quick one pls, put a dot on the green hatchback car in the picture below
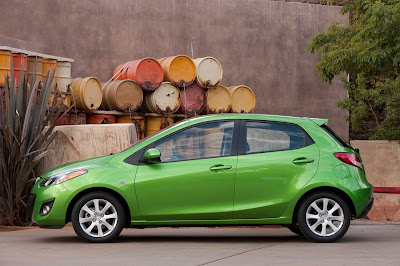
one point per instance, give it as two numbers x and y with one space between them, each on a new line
215 170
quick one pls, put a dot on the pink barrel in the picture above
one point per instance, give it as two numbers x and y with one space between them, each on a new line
193 99
147 72
120 71
20 62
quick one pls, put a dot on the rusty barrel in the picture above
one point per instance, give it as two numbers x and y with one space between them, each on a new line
120 72
208 71
72 118
179 70
156 123
86 93
48 65
218 100
138 120
101 119
5 66
20 62
164 100
147 72
63 73
243 99
193 99
35 64
121 95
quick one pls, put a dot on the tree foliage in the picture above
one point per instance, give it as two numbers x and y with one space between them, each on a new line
365 55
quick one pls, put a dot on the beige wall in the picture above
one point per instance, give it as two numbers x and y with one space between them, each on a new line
260 43
381 160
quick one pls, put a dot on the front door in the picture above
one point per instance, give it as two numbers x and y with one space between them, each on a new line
196 176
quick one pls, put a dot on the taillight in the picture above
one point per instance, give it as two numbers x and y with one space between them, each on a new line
349 158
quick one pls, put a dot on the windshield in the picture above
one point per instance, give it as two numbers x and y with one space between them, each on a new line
336 137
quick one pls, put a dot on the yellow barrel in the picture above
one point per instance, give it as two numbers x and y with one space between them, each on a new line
218 100
243 99
63 73
164 100
5 66
35 64
122 95
86 93
138 120
179 70
156 123
47 66
208 71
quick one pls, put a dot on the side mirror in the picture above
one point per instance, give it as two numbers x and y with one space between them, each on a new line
152 155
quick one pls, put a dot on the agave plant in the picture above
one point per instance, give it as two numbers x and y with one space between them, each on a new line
26 130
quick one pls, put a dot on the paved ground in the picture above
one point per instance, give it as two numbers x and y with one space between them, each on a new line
365 243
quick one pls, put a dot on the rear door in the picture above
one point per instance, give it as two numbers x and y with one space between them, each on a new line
275 161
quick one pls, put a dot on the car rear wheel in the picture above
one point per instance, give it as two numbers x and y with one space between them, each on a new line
324 217
98 217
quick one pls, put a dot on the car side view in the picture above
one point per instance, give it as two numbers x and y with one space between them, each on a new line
214 170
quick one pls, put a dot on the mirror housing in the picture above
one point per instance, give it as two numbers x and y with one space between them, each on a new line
152 155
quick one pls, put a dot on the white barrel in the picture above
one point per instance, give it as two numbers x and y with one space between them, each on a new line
208 71
165 99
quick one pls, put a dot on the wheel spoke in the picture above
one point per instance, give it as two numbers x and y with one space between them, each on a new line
323 231
314 226
325 204
336 218
99 230
96 205
108 205
109 226
90 228
87 209
110 216
312 216
85 219
315 207
334 228
334 208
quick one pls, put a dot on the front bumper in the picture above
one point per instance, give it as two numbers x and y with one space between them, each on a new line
367 208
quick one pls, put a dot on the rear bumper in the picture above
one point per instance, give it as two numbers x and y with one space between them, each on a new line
367 208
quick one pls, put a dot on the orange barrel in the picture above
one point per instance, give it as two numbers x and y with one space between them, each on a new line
86 93
243 99
138 120
156 123
164 100
179 70
121 95
47 66
20 62
34 65
147 72
100 119
5 66
63 73
72 118
193 99
218 100
120 71
208 72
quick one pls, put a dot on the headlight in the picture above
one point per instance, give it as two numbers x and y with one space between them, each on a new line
62 177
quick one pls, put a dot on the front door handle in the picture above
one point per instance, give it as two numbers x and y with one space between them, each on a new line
302 160
218 167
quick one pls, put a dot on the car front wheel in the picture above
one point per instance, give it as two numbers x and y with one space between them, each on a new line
98 217
324 217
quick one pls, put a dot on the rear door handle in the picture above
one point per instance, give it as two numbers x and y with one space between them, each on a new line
218 167
302 160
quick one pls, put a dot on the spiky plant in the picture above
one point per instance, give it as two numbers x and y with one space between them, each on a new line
24 141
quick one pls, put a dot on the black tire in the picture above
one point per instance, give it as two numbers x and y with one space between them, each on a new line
103 229
295 229
336 223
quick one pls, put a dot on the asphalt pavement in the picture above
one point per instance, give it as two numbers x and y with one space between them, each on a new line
368 243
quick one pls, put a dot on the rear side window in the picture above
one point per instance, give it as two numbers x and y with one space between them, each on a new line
335 136
267 137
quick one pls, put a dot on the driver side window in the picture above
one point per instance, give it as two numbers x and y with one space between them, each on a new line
197 142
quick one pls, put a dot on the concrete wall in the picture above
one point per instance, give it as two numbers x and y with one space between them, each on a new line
74 143
260 43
